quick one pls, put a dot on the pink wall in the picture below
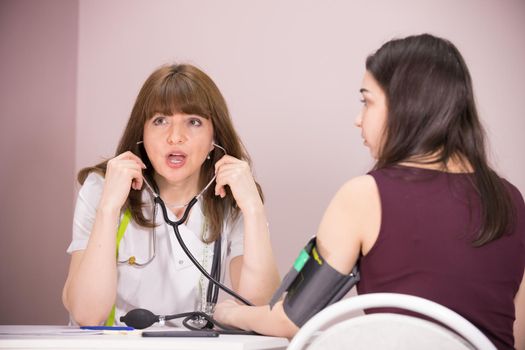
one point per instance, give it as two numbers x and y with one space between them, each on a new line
290 71
38 46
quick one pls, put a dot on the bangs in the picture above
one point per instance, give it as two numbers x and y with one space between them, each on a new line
176 93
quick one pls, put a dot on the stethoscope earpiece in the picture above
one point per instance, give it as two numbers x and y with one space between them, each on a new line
219 147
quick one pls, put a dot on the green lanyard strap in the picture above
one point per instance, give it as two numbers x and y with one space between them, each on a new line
120 233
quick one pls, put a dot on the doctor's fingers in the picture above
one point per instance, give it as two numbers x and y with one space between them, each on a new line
220 166
117 184
233 168
240 181
230 160
125 171
116 166
231 174
129 156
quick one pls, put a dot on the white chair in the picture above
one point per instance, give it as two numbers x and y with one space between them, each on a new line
386 330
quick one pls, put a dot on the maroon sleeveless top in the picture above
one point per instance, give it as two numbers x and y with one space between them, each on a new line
428 221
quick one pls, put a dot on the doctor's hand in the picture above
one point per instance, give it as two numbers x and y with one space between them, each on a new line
238 176
123 172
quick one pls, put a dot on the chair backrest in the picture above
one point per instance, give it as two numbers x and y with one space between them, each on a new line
341 336
388 331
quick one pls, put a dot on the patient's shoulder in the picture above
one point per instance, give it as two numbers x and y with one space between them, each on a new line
360 188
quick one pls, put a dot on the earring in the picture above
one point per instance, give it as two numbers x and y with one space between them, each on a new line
208 157
139 142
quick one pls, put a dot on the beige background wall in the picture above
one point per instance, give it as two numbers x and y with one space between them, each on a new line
290 71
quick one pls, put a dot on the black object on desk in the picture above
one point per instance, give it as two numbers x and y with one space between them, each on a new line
179 334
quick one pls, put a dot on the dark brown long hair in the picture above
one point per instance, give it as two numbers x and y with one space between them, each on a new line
431 110
182 88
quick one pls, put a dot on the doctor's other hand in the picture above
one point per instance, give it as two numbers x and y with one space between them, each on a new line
238 176
122 173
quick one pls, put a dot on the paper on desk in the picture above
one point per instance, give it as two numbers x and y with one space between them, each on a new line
46 330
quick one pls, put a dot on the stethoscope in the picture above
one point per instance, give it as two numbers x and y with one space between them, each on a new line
196 320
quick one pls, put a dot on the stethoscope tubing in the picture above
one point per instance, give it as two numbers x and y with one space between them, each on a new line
175 225
213 287
212 294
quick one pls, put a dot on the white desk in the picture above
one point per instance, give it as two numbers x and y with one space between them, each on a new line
63 337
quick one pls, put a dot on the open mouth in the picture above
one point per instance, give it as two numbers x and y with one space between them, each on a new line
176 158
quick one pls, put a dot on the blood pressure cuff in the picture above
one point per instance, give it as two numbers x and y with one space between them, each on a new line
312 284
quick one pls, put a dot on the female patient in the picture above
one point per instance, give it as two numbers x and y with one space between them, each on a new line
432 219
176 137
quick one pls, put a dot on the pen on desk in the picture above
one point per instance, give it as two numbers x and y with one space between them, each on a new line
108 328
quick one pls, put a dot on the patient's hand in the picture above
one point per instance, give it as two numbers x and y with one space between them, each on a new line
227 312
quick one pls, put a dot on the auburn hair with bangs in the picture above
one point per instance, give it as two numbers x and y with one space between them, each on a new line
181 88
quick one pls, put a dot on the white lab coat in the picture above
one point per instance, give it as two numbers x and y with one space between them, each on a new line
170 283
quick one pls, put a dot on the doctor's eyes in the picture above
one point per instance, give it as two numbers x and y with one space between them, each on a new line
195 122
161 120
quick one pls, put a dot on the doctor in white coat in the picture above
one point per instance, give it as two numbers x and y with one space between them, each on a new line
123 255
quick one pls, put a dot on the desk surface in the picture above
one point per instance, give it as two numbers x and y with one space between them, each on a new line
64 337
